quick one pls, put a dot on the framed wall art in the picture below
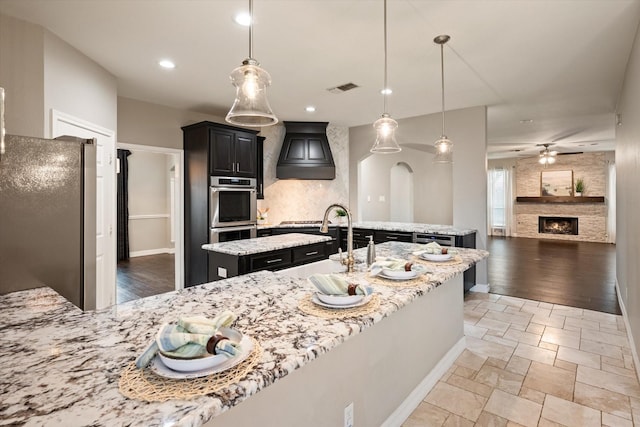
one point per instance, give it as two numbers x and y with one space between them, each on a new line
556 183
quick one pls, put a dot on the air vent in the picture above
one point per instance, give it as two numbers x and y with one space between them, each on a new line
343 88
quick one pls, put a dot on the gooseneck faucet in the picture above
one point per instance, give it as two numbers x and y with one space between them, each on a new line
349 262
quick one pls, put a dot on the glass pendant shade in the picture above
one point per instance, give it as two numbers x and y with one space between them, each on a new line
386 142
251 106
444 150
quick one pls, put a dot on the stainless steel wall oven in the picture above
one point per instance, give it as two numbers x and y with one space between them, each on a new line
232 208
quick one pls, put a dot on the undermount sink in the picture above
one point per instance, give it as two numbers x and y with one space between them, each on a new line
325 266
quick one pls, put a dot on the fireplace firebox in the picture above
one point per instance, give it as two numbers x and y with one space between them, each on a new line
558 225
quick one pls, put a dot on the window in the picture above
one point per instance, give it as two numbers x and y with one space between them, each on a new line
498 197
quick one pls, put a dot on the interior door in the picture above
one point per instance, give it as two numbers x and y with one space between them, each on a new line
63 124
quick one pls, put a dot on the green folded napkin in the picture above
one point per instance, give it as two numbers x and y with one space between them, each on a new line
189 338
332 284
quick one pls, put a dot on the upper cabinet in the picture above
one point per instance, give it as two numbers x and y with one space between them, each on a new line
232 152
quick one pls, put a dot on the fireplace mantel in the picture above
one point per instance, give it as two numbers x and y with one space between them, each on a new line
561 199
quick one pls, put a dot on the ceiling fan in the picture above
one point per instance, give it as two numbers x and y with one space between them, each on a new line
547 157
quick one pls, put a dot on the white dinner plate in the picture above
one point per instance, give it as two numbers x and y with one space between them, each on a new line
436 257
339 299
398 274
159 368
200 363
363 301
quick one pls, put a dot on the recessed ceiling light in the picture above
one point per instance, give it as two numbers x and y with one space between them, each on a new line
167 63
310 109
386 91
243 19
526 121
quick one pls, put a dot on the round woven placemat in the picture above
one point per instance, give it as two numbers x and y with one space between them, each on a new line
307 306
142 384
455 260
419 280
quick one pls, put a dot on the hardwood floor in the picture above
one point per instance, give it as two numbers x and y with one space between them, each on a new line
577 274
145 276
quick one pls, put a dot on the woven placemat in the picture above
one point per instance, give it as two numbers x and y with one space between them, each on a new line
307 306
419 280
143 384
455 260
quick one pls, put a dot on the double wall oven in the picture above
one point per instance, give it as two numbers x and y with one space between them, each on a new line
232 209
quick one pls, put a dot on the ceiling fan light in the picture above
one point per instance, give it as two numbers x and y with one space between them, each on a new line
251 106
551 160
386 142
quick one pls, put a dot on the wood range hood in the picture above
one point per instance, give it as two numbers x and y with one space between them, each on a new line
305 152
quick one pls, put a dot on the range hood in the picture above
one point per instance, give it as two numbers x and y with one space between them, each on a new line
305 152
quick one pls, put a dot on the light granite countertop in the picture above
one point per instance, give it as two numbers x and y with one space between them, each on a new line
265 244
60 366
408 227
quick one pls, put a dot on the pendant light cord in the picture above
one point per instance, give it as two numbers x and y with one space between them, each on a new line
384 98
250 29
442 74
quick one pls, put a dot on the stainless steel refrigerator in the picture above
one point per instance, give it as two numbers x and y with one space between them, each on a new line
48 217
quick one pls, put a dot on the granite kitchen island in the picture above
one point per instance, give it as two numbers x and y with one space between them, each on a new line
61 366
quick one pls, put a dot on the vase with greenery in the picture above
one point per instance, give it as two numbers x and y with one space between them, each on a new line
341 216
579 187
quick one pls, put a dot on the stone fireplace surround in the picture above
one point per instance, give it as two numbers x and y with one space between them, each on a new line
592 217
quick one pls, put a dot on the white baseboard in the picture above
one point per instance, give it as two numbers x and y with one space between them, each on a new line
632 344
485 289
418 394
152 252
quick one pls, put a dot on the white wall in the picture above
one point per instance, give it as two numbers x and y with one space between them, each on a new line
627 194
149 202
22 76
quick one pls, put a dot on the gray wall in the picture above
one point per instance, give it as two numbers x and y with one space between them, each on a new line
144 123
627 194
39 71
467 178
22 76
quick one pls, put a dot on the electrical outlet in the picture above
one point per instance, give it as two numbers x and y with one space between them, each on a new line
382 198
222 272
348 415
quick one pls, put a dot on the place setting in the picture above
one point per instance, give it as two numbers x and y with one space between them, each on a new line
396 272
434 254
193 357
336 296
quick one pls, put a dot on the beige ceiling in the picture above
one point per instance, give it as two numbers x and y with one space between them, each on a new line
560 63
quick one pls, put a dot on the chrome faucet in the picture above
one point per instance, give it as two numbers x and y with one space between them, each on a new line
349 262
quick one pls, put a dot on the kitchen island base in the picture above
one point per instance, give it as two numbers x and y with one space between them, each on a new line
386 370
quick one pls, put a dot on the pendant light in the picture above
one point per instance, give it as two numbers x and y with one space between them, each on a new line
444 147
251 107
385 126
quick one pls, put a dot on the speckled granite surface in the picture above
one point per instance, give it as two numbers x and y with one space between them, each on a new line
395 226
265 244
60 366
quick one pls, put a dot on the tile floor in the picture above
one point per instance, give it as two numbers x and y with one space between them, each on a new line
530 363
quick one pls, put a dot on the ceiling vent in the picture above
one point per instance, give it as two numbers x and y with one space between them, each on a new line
343 88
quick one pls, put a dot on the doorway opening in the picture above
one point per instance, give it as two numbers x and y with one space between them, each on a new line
149 221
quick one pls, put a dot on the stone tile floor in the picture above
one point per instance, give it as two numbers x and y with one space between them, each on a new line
530 363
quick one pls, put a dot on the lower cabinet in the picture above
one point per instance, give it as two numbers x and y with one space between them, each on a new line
222 266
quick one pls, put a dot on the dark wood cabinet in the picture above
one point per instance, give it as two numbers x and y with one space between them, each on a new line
260 167
209 149
380 236
331 246
232 152
222 266
360 237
